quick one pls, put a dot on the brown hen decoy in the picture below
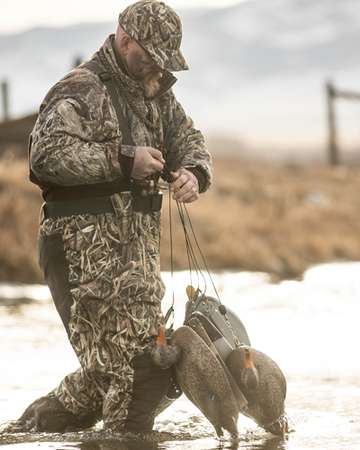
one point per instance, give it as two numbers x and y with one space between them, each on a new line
204 381
264 386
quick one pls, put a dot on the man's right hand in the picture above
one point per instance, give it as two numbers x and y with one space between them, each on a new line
147 161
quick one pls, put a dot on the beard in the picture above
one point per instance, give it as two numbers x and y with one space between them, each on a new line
151 84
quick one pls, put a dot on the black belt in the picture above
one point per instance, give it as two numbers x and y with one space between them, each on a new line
56 193
100 205
96 205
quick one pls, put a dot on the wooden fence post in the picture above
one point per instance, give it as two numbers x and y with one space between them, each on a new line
333 153
5 100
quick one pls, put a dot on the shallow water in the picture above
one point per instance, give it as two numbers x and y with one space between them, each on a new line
310 328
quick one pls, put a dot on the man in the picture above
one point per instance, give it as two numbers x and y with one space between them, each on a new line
104 134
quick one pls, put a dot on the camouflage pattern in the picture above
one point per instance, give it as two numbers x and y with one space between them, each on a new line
113 258
76 139
114 274
157 28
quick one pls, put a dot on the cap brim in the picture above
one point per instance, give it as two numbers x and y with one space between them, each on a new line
174 63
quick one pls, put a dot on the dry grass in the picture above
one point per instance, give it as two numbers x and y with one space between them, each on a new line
259 217
277 219
19 211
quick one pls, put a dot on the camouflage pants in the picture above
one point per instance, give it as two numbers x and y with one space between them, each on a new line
104 275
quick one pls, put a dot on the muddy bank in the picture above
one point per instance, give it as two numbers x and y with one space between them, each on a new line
258 217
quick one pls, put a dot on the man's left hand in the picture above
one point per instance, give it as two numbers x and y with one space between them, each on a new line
185 186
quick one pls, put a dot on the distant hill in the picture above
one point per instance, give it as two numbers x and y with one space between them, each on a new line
257 69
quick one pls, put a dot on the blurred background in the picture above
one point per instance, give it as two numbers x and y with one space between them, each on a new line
274 87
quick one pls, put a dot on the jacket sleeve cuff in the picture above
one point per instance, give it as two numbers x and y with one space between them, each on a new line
126 160
128 150
201 176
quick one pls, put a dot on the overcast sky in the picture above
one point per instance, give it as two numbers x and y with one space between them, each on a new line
18 15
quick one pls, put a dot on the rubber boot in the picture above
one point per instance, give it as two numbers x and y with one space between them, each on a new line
47 414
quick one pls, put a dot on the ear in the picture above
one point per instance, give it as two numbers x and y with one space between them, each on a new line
122 41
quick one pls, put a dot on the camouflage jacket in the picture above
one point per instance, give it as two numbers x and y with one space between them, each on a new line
77 138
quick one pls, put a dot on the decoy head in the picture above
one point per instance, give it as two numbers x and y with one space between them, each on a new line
161 339
192 295
191 292
249 374
280 427
164 355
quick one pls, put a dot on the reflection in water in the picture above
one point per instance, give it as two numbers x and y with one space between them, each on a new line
266 444
116 445
270 444
273 443
111 445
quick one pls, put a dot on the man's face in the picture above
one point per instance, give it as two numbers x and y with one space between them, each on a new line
142 67
139 62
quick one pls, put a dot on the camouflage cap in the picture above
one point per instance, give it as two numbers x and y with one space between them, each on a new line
157 28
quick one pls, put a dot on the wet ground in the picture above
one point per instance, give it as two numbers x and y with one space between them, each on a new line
310 328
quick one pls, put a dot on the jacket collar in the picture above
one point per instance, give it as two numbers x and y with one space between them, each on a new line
134 87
